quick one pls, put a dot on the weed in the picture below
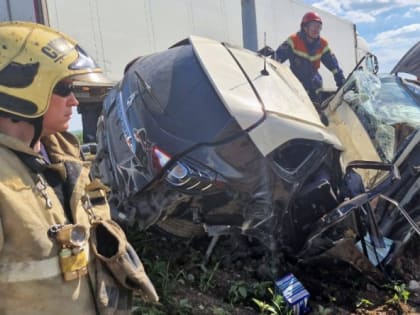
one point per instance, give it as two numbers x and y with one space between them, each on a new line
238 292
260 289
401 294
277 305
364 303
206 278
161 277
241 291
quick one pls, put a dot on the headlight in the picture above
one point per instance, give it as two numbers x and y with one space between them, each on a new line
188 175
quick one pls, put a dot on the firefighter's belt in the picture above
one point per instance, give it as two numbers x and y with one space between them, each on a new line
30 270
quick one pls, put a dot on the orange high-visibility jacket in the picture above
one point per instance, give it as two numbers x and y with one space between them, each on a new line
305 59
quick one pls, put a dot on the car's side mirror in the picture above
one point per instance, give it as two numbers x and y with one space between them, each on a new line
371 63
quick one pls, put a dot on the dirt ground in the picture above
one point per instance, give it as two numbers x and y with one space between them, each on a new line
239 274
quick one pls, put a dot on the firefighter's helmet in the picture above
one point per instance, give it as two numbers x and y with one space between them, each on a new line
33 59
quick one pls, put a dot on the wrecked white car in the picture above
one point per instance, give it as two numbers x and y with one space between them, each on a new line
210 138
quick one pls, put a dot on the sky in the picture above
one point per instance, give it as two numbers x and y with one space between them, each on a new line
391 28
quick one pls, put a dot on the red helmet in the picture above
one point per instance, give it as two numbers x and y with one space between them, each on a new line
310 17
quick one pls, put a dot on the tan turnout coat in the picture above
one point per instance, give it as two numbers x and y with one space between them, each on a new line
30 276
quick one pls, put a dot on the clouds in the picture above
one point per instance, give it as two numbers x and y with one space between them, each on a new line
391 27
389 37
391 45
367 11
412 13
359 17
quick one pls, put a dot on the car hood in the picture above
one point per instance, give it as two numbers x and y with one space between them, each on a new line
410 62
263 96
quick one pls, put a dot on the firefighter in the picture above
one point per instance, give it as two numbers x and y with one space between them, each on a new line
305 51
48 204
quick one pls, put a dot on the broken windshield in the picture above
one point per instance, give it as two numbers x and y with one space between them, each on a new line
387 110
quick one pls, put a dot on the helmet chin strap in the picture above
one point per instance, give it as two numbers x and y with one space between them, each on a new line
37 123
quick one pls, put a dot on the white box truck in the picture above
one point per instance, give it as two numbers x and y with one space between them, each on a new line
115 32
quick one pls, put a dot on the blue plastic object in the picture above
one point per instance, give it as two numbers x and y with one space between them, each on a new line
294 293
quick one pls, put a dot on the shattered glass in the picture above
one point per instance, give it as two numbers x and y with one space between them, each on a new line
386 109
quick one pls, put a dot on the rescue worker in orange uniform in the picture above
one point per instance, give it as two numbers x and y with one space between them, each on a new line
47 200
305 51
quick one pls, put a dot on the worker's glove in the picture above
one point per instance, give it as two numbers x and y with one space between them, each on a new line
316 82
110 245
266 51
339 79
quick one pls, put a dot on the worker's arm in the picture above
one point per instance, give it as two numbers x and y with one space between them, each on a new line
330 61
284 51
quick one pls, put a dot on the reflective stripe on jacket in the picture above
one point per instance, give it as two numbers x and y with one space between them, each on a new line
305 59
30 277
